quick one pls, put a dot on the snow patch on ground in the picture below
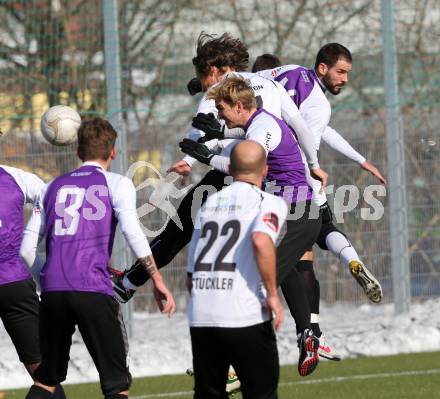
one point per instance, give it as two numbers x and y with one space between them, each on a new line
162 346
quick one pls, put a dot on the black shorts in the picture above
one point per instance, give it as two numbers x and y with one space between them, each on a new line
19 306
327 226
298 236
101 326
252 351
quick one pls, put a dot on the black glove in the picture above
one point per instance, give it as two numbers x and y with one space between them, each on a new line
194 86
209 124
196 150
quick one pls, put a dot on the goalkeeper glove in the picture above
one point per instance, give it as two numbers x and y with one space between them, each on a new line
196 150
209 124
194 86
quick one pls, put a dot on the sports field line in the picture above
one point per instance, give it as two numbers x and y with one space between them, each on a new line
307 382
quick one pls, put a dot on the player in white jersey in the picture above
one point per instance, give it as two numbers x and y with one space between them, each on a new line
78 215
19 303
218 57
307 88
232 282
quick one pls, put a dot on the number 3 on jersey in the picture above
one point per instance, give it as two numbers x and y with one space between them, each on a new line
213 228
69 214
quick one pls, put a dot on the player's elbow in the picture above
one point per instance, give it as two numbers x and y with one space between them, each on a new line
261 241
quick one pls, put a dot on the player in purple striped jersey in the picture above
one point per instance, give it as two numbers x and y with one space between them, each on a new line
78 217
19 303
307 89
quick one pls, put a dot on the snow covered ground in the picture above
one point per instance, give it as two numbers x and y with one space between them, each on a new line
162 346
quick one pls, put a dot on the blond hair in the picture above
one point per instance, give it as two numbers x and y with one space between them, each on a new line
234 89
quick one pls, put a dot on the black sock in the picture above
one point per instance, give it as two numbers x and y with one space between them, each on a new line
37 392
316 330
294 292
305 268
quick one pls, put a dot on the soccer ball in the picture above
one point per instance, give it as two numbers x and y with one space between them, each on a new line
60 124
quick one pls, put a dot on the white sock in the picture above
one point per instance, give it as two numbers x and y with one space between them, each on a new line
338 244
127 284
314 318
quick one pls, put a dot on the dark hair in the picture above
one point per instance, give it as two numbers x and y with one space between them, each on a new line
96 139
266 61
220 51
330 54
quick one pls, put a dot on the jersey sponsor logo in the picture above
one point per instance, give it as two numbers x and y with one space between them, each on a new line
271 220
257 87
305 76
79 174
267 142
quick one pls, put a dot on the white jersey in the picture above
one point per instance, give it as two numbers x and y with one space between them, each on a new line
271 96
227 287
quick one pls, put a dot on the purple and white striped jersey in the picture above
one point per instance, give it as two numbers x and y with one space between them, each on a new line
79 214
307 92
17 188
286 176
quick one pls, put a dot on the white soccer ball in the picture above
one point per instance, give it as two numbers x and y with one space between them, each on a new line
60 124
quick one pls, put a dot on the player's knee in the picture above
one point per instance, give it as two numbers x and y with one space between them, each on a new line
37 392
308 255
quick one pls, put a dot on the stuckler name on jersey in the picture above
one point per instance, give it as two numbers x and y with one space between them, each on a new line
212 283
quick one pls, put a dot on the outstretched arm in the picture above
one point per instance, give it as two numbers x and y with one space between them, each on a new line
334 140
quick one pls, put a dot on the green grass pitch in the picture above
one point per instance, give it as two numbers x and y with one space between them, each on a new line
409 376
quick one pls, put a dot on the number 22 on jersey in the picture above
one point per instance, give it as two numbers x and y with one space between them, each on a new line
231 228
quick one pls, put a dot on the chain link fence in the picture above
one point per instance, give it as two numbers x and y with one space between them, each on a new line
52 52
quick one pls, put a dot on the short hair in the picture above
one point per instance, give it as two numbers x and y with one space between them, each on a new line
247 157
331 53
96 139
266 61
220 51
233 89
